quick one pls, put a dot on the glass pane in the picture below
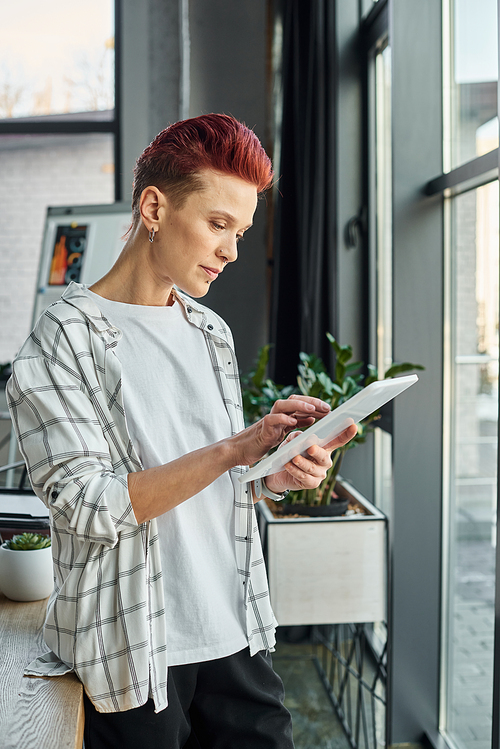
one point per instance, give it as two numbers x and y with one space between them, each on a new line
474 121
381 292
56 57
474 368
38 171
366 6
383 440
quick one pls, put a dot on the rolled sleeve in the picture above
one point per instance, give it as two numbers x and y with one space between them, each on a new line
94 505
62 440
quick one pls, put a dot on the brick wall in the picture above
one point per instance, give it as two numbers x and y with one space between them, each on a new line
36 172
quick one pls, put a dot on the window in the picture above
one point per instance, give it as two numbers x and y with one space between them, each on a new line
380 253
473 372
473 62
471 380
382 235
57 57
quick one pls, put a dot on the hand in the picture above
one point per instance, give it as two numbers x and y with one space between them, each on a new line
308 473
253 443
304 408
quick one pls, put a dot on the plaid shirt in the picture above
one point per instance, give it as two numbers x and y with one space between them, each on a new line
106 619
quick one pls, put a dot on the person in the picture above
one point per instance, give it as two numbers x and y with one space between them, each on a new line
126 403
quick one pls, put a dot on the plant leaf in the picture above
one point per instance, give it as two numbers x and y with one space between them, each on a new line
355 365
28 542
400 368
260 369
326 382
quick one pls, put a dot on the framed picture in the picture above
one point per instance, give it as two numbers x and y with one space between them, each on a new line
67 254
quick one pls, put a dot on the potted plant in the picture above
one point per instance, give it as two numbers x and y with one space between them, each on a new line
260 393
26 567
325 549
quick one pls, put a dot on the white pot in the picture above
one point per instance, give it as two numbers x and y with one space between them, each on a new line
327 570
26 575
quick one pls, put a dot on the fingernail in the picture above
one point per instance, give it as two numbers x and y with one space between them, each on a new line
325 406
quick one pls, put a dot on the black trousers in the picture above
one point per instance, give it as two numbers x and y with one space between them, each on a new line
222 704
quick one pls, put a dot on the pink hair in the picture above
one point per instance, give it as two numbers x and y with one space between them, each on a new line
173 160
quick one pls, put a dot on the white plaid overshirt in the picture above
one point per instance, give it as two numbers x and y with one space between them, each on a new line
106 619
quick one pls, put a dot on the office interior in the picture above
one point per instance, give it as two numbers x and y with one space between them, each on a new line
382 227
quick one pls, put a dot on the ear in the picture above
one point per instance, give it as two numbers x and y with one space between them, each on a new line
151 204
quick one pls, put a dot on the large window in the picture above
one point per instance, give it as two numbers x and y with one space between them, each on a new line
457 338
473 380
56 57
471 366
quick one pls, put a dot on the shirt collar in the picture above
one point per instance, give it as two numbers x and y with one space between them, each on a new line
197 314
76 295
202 316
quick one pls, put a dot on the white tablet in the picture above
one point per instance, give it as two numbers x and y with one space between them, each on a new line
326 429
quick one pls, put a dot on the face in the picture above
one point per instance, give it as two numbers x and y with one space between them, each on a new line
194 244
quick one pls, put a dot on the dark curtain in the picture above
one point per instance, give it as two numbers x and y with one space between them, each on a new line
302 308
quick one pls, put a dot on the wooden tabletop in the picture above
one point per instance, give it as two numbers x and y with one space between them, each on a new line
46 713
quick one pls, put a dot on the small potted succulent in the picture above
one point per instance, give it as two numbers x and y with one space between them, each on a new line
26 567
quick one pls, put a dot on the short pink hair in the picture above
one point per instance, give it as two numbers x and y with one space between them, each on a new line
173 160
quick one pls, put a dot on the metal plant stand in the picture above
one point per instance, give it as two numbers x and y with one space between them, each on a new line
354 673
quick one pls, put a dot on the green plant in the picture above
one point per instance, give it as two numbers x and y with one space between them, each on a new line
27 542
259 392
313 379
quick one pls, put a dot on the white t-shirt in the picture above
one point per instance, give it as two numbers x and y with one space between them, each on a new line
173 405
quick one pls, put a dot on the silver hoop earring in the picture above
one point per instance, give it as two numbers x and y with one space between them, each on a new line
151 235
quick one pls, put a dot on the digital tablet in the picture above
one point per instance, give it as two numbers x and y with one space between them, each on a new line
326 429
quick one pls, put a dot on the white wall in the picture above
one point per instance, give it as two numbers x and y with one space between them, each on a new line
37 172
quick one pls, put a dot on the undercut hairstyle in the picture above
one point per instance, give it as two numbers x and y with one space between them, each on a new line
173 161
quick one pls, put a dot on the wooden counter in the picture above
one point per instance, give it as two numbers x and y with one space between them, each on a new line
41 713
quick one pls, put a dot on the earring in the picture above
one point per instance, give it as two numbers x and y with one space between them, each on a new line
151 235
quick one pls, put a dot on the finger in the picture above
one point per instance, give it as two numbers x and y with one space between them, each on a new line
304 421
318 404
343 438
289 406
307 474
320 455
312 467
278 419
302 404
291 436
275 427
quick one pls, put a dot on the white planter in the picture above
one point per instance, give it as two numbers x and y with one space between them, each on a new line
26 575
326 570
